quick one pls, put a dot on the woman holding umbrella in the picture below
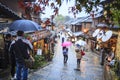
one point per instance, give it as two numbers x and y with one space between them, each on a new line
65 50
79 54
65 54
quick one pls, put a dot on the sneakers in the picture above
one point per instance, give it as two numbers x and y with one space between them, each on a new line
13 78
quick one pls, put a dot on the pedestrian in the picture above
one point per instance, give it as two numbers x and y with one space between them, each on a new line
63 39
110 55
65 54
5 57
79 57
21 49
6 49
102 55
12 57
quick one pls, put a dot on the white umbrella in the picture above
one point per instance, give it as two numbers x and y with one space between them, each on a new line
81 43
102 25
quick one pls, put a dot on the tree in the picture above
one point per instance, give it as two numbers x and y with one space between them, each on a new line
111 8
36 8
59 20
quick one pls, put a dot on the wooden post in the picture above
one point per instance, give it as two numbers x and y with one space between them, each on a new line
118 46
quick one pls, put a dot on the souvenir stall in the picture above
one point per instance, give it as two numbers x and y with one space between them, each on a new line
41 42
37 39
107 40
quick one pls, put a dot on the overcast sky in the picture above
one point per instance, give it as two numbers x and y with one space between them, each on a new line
63 10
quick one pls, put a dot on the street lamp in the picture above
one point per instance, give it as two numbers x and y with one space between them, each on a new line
85 30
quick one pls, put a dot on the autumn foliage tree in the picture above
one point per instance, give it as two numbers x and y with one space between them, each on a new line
36 8
111 8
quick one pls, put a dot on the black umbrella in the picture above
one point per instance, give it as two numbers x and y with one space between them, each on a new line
24 25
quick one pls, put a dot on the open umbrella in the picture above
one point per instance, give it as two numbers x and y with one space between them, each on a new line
24 25
68 43
81 43
102 25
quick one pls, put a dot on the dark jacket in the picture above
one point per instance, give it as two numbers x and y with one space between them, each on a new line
6 51
21 50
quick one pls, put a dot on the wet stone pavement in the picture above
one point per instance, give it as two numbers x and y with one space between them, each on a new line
90 69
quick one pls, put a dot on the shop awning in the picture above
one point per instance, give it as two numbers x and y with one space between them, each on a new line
6 12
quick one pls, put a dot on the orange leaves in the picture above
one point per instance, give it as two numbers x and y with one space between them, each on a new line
36 8
21 4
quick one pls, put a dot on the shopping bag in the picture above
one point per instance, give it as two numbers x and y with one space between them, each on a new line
29 62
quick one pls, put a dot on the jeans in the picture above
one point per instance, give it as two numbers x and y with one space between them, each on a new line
13 65
21 72
65 58
78 63
13 69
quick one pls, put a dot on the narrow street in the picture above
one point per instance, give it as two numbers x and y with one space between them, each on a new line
57 70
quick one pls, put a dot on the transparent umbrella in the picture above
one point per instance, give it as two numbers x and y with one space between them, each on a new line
102 25
81 43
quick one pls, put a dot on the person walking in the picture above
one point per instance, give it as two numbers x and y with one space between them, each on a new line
5 58
21 49
12 57
63 39
6 49
79 57
65 54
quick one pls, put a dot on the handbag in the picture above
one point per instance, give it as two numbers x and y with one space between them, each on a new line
29 62
82 53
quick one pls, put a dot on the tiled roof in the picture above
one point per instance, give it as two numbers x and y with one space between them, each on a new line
82 19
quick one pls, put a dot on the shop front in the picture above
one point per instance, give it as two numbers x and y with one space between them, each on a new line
42 43
106 45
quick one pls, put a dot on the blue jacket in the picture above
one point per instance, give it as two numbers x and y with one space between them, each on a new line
65 51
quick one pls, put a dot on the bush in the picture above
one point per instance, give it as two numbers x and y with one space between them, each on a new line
39 61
